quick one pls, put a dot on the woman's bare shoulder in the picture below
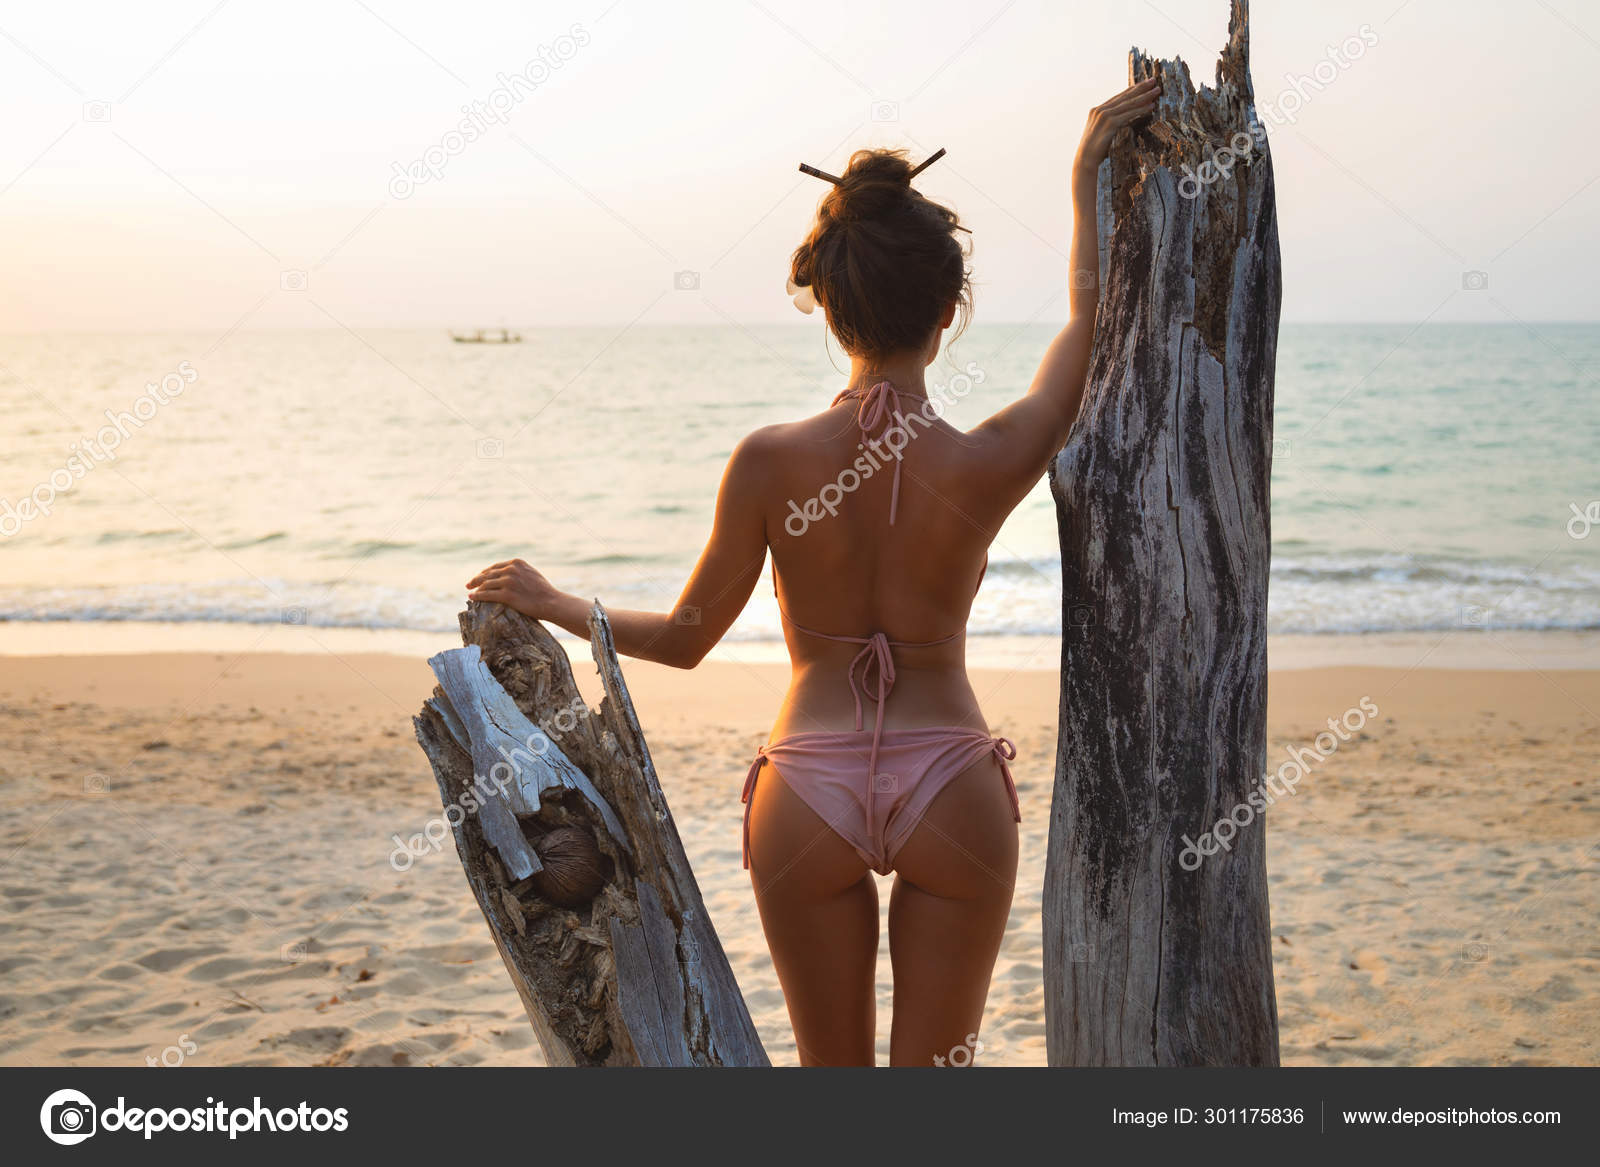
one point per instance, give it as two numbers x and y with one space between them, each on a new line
796 433
770 447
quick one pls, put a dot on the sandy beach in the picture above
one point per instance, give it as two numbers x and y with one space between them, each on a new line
195 863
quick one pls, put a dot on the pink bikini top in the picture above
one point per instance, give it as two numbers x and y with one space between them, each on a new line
875 661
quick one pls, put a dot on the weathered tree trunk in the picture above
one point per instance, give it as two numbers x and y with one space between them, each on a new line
569 847
1156 955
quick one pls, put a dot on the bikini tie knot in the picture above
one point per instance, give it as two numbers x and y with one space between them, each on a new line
875 657
1005 750
879 406
750 778
745 795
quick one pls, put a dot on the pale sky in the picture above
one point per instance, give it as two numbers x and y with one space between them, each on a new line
164 164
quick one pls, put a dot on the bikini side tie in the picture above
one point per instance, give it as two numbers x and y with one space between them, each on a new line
744 797
1005 750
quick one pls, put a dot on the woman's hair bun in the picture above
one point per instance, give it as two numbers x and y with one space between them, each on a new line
883 260
876 183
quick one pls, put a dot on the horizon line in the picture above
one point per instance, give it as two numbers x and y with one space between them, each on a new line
787 324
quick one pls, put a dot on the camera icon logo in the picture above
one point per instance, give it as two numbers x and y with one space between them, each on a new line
68 1117
490 448
1280 448
1083 278
296 616
688 615
1475 952
96 784
1473 616
885 783
686 281
295 953
97 111
886 111
1474 281
293 280
1081 615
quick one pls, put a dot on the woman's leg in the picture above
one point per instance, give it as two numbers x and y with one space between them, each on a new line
819 909
947 914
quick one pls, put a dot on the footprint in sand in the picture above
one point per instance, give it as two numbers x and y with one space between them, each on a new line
323 1039
167 959
223 967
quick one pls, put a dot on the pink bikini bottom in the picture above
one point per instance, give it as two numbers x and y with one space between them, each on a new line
829 771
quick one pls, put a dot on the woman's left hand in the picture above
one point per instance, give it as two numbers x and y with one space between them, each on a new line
1106 121
517 586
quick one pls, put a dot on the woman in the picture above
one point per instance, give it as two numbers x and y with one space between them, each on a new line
878 515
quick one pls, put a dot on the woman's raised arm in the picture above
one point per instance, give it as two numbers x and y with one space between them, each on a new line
717 591
1028 432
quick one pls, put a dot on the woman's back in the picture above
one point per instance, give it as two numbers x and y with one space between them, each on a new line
856 553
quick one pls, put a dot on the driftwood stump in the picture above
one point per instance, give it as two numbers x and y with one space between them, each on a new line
1162 501
568 845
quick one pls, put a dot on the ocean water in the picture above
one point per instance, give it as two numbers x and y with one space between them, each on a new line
1425 478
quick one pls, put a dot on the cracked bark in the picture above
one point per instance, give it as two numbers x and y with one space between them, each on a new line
627 969
1162 504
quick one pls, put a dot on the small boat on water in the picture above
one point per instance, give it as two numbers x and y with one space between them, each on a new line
489 337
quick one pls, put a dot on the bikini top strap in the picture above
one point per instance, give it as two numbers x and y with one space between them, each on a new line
879 406
867 639
799 627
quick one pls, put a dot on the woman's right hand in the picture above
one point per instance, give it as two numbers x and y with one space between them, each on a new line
1106 120
515 584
